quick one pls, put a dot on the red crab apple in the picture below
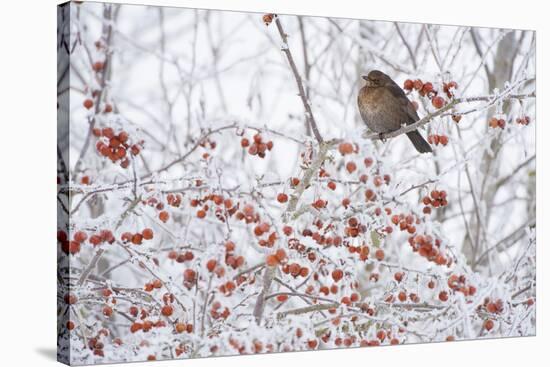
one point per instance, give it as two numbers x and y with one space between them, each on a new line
282 198
438 102
147 233
337 274
88 103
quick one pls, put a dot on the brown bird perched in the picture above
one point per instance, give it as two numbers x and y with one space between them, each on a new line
384 107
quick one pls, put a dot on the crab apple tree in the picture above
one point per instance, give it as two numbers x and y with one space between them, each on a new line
204 220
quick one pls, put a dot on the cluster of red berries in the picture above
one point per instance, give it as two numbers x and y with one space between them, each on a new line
525 120
348 300
138 237
261 228
258 147
492 306
279 257
152 285
424 89
88 103
73 246
180 257
182 327
296 245
449 88
388 211
402 297
248 214
271 239
116 146
207 144
211 265
159 206
296 270
437 199
374 343
146 325
354 228
347 342
362 251
217 313
224 207
458 284
136 312
427 90
230 258
494 123
405 222
326 290
316 236
380 180
227 288
102 236
428 248
438 139
95 343
174 200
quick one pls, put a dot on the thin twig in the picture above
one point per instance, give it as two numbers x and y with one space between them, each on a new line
407 46
90 266
309 113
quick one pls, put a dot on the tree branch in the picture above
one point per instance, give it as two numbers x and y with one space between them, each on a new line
492 99
90 266
309 113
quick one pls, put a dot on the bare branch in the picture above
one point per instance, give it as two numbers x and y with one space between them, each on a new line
309 113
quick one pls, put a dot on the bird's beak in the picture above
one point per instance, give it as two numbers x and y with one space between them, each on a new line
365 77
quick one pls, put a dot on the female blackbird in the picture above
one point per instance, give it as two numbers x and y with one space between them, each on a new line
384 107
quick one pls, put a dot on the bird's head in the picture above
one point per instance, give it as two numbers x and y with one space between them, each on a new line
375 79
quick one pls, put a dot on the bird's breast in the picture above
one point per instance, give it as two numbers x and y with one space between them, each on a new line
371 109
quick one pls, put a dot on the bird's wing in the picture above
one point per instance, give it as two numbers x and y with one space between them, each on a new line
407 105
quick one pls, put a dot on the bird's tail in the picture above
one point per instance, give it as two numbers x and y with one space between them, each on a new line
419 143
